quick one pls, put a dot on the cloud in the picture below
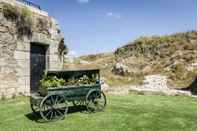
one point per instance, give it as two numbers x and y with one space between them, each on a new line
114 15
72 53
83 1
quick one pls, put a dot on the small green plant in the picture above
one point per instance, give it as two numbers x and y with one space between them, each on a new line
14 96
3 97
48 82
51 81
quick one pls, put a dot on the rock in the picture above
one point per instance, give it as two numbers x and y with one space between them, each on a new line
104 86
84 62
120 69
147 69
118 91
191 67
155 82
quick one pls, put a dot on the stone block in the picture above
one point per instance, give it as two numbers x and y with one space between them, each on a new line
23 46
21 55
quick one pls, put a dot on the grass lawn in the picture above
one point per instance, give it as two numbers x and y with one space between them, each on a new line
123 113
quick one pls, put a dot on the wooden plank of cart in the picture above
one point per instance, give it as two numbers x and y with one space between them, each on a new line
54 104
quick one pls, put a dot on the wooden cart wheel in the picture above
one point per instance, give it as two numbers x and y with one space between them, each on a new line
79 103
95 101
53 107
35 109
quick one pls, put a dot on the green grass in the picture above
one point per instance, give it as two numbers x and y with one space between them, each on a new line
123 113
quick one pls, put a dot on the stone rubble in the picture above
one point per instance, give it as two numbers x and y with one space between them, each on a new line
153 84
120 69
191 67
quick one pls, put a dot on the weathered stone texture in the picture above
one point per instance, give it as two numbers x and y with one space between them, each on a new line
15 53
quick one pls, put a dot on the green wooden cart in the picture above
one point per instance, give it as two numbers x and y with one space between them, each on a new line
54 105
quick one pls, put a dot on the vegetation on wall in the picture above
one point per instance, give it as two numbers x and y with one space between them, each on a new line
10 12
43 25
22 17
25 23
62 49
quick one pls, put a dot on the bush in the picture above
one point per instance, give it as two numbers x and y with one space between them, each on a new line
25 23
10 12
22 17
51 82
48 82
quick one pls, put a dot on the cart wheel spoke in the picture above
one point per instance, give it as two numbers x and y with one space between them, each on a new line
47 114
55 114
53 107
59 112
95 101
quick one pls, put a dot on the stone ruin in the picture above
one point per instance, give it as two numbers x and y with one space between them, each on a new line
15 52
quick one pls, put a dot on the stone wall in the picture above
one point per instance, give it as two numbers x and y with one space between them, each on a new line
15 52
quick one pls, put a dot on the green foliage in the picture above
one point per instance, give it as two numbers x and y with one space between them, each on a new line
3 97
25 23
14 96
51 81
179 71
54 82
10 12
22 17
83 80
188 47
180 77
62 48
153 45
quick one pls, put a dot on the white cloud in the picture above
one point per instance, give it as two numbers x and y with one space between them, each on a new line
83 1
72 53
114 15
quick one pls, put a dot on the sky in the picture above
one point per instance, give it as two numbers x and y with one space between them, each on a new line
96 26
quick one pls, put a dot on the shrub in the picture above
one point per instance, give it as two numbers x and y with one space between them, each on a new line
188 46
50 81
62 49
3 97
25 23
22 17
10 12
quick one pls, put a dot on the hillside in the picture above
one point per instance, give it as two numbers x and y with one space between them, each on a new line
174 56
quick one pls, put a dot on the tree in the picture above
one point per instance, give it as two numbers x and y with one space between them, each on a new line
62 50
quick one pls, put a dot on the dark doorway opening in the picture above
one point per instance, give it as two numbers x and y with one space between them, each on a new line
38 63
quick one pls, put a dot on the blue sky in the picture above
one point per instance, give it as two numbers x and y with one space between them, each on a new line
94 26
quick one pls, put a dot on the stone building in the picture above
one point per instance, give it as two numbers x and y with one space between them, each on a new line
29 42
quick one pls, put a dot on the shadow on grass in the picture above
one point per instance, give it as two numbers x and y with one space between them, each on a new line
72 109
192 87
